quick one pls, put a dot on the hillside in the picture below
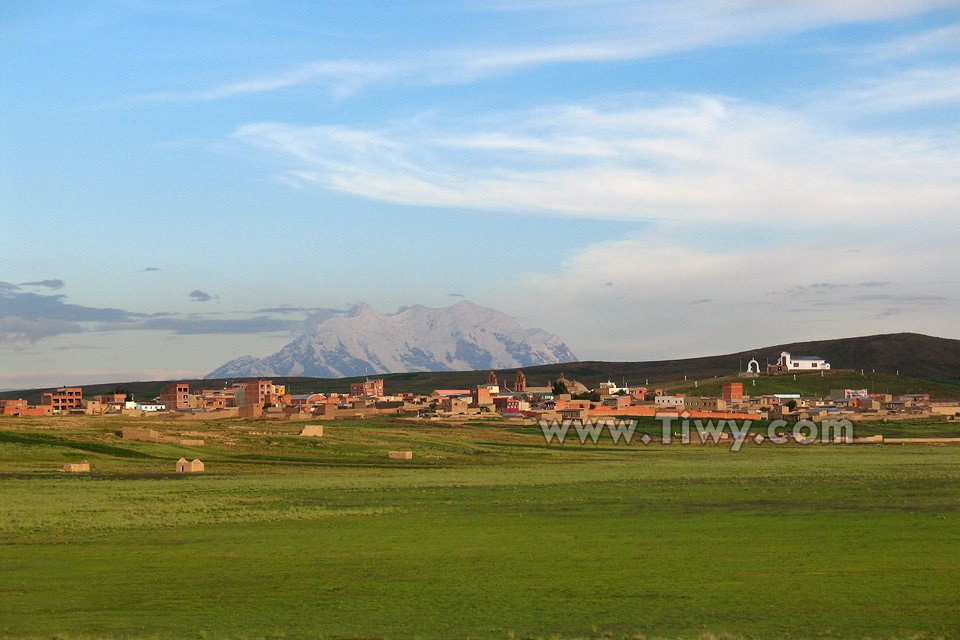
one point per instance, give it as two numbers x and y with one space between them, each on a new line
925 364
815 385
909 354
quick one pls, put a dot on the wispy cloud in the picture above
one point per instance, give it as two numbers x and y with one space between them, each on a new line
208 326
202 296
817 287
925 87
341 78
78 347
591 32
937 40
32 306
49 284
685 158
14 330
148 269
290 309
26 318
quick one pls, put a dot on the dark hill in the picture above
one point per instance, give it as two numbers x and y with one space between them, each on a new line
912 355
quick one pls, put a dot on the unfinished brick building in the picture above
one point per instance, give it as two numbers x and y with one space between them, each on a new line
63 398
367 389
176 396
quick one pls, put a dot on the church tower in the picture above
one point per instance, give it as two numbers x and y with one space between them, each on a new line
520 382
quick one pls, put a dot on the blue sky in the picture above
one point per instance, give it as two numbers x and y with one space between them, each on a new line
741 173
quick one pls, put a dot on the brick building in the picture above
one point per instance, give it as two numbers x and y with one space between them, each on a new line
368 388
63 399
482 395
176 396
21 408
253 393
733 392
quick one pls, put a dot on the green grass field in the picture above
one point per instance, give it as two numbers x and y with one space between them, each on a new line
487 533
814 384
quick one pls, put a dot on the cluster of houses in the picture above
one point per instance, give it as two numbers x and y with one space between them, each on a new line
562 399
256 398
609 399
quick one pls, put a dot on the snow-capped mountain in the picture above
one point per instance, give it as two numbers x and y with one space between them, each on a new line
364 341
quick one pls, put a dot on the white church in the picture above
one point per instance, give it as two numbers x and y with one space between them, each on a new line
788 362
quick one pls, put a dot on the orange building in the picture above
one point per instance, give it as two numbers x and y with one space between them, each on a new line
21 408
216 402
259 393
63 399
368 389
733 392
111 398
217 398
481 396
177 396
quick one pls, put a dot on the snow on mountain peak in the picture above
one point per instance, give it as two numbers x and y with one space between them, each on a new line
364 341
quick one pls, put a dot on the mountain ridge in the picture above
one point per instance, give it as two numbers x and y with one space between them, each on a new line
363 341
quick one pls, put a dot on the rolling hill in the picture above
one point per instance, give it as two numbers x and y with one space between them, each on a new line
924 364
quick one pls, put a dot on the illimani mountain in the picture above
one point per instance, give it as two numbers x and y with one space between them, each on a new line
364 341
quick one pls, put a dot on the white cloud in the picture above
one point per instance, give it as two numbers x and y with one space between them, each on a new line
940 39
670 299
695 158
899 91
578 32
340 77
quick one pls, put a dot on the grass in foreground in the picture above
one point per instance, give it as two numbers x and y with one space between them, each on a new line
496 536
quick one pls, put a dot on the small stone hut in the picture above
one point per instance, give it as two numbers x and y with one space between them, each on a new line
312 430
193 466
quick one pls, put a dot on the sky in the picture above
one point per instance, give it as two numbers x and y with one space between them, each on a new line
184 183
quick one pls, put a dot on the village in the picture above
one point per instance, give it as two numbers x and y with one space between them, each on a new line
512 400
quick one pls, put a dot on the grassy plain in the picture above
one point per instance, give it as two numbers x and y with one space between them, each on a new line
487 533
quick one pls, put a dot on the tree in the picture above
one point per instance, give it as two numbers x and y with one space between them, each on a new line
792 405
560 387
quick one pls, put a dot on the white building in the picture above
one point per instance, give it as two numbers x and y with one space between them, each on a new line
788 362
610 388
849 394
151 406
